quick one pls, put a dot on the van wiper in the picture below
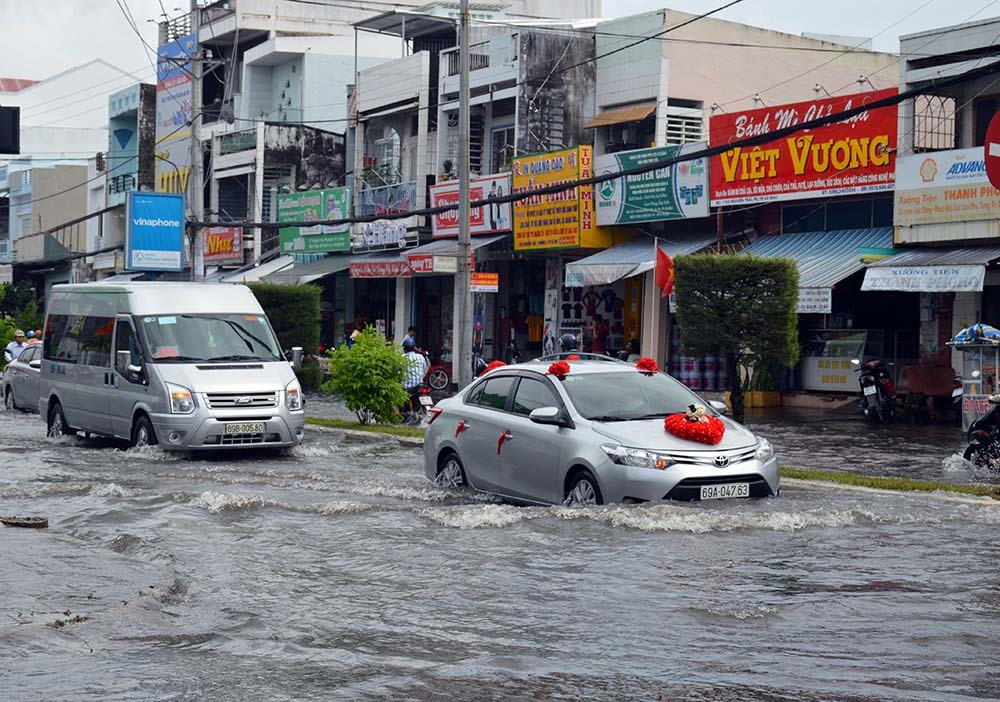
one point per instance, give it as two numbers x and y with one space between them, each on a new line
178 359
239 357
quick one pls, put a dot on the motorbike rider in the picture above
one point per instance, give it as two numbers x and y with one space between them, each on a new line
567 342
417 367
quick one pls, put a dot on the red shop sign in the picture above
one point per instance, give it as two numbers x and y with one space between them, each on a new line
854 156
223 244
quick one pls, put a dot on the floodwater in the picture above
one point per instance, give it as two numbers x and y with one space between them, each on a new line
340 572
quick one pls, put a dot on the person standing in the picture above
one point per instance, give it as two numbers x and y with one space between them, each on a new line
15 347
410 340
600 335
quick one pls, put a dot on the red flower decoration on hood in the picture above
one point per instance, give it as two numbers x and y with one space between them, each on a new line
573 357
492 366
709 430
559 369
647 366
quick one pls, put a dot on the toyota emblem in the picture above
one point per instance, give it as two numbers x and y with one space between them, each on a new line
721 461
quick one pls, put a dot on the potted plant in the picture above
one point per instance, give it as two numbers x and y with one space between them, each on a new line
448 167
764 384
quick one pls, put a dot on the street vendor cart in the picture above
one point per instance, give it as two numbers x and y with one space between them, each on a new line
980 347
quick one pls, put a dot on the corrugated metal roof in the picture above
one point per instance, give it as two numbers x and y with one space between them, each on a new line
824 258
449 247
628 259
619 115
964 255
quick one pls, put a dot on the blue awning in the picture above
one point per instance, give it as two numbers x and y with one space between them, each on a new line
630 258
824 258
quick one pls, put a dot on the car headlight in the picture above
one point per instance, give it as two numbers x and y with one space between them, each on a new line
764 449
181 401
293 396
625 456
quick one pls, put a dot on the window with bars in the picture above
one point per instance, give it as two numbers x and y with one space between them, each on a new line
934 123
684 125
502 148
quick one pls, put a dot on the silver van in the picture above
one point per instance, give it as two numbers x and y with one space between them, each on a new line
183 365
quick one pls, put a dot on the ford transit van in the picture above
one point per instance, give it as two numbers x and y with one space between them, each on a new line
183 365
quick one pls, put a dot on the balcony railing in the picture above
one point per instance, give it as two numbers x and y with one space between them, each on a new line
389 199
235 142
479 57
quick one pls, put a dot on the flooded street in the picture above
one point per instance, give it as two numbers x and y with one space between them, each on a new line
339 572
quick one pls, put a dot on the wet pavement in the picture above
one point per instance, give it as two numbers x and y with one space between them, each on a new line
338 571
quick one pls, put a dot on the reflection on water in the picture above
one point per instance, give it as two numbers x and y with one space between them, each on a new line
340 572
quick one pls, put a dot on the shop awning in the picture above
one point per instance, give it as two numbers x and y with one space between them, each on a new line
380 264
823 258
620 115
449 247
627 259
303 273
961 269
254 274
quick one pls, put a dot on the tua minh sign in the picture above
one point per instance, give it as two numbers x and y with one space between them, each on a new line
852 156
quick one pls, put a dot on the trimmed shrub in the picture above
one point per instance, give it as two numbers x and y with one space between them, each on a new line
293 311
310 375
369 376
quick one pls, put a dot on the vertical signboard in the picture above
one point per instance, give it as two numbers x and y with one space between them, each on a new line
314 205
173 113
154 232
848 157
489 219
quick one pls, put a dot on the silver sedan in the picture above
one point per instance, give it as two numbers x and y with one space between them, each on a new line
594 436
20 380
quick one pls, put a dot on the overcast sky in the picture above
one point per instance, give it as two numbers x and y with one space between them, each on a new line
39 38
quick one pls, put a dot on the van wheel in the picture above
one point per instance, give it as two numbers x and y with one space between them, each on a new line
8 401
57 421
142 432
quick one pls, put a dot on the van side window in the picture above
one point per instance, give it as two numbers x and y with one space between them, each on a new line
125 341
82 339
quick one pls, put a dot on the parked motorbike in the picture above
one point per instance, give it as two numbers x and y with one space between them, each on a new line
878 392
984 439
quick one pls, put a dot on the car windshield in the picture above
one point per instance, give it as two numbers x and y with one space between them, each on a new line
626 395
184 338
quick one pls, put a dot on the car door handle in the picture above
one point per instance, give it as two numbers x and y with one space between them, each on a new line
507 436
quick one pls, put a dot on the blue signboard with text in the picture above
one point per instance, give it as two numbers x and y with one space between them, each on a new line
154 232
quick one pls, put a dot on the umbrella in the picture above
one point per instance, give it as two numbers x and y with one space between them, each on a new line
980 333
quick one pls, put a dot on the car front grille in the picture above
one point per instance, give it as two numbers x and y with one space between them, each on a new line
690 488
241 400
707 458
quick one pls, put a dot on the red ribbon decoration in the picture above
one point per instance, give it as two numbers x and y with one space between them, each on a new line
573 357
493 365
462 426
707 431
559 369
647 366
503 437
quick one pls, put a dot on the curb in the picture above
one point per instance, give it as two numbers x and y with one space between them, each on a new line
407 441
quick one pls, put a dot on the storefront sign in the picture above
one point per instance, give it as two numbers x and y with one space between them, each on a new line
154 231
944 186
490 219
485 282
559 220
815 301
224 245
843 158
314 205
674 192
382 234
925 278
446 264
422 263
380 269
828 373
173 114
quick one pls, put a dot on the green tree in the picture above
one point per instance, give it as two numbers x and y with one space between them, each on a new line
29 316
369 376
743 306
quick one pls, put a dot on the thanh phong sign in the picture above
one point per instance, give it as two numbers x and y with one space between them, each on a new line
944 186
842 158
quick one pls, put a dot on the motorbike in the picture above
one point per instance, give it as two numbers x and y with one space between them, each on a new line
878 392
479 363
983 450
416 408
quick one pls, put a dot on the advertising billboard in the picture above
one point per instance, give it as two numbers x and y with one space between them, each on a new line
675 192
944 186
849 157
490 219
314 205
173 113
224 245
154 232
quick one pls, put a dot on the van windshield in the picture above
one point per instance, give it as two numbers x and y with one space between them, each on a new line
188 338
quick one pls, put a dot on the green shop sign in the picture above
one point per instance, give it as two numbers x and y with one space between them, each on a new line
314 205
679 191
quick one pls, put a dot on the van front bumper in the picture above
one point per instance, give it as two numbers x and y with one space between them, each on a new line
204 431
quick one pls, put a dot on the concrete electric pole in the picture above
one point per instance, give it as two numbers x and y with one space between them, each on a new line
462 357
196 187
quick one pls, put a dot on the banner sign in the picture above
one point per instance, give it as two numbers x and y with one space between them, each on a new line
173 114
383 234
312 205
154 232
843 158
380 269
815 301
485 282
224 245
555 221
968 278
675 192
944 186
491 219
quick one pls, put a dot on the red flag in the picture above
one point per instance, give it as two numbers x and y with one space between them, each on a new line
664 272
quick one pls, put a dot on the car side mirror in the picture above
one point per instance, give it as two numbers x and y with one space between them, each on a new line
720 407
547 415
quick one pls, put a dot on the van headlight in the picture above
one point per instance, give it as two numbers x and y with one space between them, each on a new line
625 456
293 396
181 400
764 449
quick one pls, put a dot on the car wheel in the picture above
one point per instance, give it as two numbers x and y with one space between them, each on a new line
451 473
8 401
438 379
57 426
583 491
142 432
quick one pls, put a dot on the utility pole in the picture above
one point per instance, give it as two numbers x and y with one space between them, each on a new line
196 183
463 284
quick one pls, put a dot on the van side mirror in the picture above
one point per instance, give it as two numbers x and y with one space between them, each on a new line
124 365
295 357
547 415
